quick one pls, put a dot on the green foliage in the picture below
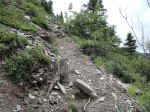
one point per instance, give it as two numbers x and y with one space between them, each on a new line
48 6
99 40
42 22
60 18
99 61
95 5
145 100
38 14
9 42
132 90
14 19
22 65
130 45
20 8
120 66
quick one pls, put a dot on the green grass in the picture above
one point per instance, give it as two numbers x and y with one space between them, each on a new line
14 18
132 90
13 15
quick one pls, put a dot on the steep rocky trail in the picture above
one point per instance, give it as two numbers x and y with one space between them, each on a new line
111 92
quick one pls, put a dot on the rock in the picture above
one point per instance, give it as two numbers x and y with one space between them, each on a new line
62 88
56 87
41 70
99 100
40 101
85 88
70 84
54 93
102 78
18 108
115 96
27 17
123 85
77 72
44 100
31 96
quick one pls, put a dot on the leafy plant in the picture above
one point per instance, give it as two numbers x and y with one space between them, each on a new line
10 42
22 65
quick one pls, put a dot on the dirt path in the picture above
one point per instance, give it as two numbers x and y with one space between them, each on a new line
110 91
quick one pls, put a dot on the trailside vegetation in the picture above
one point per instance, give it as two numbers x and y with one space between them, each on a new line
98 39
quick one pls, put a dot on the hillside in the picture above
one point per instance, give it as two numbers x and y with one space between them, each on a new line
44 69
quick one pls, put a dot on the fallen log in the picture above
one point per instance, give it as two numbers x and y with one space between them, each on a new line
85 88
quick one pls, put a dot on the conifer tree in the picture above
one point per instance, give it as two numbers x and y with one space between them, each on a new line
48 5
130 45
94 4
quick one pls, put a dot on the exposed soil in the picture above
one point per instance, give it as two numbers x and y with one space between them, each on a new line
110 90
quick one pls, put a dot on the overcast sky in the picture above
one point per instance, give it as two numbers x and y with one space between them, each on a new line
137 10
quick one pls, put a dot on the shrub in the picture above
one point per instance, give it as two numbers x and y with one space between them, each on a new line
42 22
145 100
99 61
9 42
32 10
141 66
120 66
22 65
47 6
38 15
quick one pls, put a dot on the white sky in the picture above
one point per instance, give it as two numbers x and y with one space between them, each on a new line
135 9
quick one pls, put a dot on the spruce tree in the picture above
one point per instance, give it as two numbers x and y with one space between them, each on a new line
94 4
130 45
48 5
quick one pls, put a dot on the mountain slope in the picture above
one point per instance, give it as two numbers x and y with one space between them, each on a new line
30 66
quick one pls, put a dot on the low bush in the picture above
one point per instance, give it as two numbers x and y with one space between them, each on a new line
22 65
9 42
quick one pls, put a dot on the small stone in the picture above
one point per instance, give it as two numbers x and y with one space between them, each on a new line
54 93
31 96
77 72
41 70
115 96
56 87
102 78
101 99
27 17
45 100
18 108
40 79
70 84
39 101
35 106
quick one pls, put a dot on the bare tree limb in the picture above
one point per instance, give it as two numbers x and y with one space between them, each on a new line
148 3
139 43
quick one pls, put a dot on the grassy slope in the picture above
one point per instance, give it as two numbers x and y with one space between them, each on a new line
18 58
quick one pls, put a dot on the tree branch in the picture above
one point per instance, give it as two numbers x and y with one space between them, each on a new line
140 43
148 3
